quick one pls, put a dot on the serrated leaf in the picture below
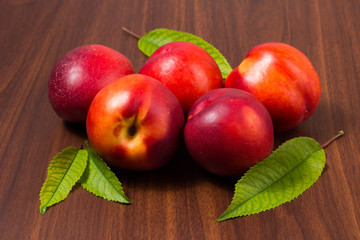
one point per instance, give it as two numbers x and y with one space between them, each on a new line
100 180
152 40
284 175
64 171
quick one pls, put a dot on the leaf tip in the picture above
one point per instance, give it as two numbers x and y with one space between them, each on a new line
123 199
223 217
127 201
42 210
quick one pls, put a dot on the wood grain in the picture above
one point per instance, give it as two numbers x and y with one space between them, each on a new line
179 201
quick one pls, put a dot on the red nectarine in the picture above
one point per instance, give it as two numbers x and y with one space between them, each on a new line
283 79
79 75
135 123
186 69
228 131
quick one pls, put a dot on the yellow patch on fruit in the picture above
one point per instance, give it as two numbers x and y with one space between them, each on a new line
128 131
136 149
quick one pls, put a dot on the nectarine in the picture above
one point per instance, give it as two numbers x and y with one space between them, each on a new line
79 75
228 131
283 79
186 69
135 123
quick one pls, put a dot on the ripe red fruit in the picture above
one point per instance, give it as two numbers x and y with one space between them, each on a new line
228 131
79 75
186 69
135 123
283 79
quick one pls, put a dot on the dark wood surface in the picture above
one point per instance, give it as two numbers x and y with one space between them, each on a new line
179 201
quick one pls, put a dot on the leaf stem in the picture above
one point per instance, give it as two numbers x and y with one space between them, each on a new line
339 134
131 33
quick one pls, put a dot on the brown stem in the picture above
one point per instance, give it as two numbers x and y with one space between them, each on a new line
339 134
131 33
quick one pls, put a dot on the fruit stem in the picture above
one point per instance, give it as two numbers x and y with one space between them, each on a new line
339 134
131 33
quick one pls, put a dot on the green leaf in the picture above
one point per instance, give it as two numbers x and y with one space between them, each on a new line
284 175
152 40
64 171
100 180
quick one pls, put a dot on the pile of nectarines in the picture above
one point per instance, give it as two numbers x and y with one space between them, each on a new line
135 121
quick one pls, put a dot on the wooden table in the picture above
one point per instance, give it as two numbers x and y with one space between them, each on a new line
179 201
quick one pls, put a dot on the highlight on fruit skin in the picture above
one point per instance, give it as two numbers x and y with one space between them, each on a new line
283 79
